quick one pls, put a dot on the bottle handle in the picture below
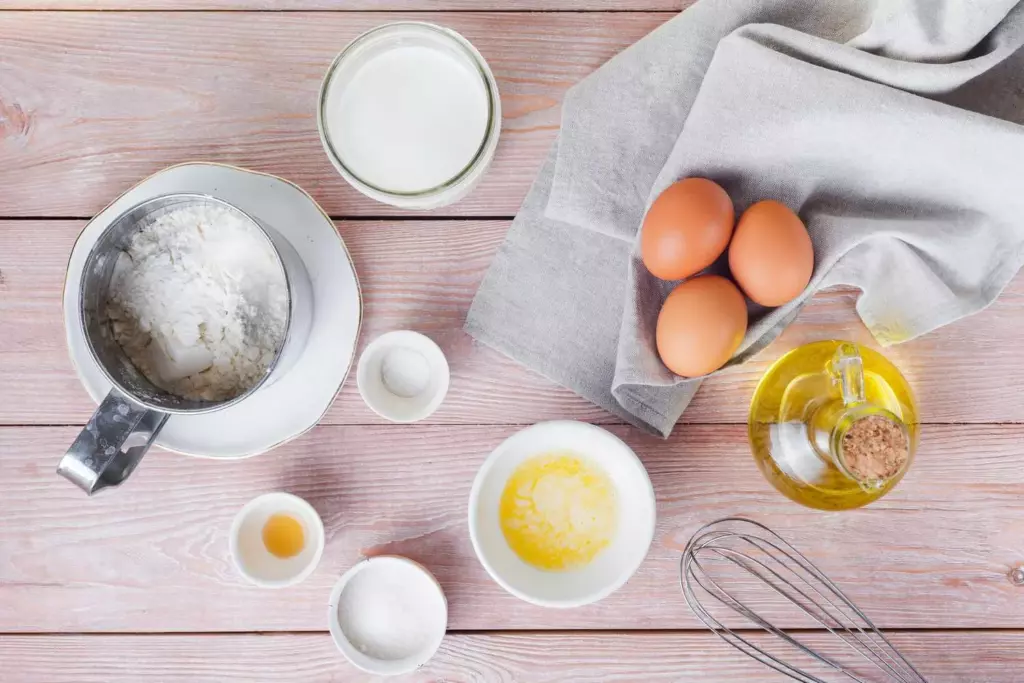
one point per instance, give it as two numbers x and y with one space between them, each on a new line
847 370
110 446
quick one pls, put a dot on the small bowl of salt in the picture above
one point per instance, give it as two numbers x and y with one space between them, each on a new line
403 376
388 615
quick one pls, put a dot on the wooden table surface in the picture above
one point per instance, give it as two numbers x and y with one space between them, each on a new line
137 585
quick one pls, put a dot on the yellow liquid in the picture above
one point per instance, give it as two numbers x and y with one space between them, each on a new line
558 511
283 536
791 388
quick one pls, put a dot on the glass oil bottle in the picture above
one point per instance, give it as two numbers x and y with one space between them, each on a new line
833 425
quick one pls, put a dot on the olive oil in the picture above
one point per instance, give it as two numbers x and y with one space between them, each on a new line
815 399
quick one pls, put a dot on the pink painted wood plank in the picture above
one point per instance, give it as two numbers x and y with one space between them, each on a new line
153 555
423 274
942 657
91 103
356 5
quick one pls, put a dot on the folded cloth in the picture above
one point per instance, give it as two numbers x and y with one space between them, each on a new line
892 127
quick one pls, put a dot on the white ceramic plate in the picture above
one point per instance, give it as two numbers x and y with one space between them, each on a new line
614 565
294 403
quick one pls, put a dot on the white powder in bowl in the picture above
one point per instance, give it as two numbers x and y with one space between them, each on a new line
405 372
199 302
391 610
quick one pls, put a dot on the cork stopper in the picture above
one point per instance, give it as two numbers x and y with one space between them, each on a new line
875 448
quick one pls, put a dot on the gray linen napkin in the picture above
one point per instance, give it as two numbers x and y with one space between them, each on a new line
892 128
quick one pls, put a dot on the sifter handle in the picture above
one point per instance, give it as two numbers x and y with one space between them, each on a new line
113 442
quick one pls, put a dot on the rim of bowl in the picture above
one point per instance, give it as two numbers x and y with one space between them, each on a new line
214 406
474 503
387 668
239 519
482 152
375 346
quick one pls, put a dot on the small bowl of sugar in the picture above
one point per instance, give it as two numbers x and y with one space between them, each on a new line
387 615
403 376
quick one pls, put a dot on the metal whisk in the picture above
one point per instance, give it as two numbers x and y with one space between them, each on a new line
739 568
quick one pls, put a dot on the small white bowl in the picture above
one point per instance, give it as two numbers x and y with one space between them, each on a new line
614 565
403 574
251 557
403 376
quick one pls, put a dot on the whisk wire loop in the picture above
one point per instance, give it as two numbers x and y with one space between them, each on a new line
739 551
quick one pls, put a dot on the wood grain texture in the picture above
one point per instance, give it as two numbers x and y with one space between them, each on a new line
153 555
355 5
942 657
91 103
423 274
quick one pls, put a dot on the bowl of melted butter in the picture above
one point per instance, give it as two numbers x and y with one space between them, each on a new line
562 514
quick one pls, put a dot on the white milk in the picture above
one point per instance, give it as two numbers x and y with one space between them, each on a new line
408 119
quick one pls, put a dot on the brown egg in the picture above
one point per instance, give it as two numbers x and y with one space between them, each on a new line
771 255
687 227
701 324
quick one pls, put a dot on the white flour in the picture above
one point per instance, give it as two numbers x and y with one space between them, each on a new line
199 302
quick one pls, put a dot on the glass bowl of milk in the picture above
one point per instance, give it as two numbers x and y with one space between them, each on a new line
410 115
